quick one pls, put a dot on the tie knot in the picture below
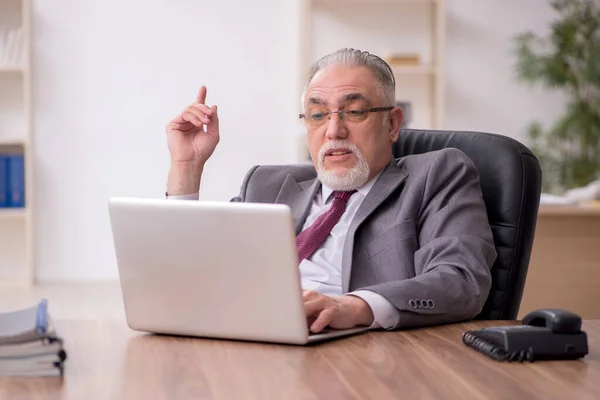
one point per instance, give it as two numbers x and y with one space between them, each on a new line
344 195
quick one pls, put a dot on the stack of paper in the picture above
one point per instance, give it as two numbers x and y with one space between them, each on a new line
547 198
29 343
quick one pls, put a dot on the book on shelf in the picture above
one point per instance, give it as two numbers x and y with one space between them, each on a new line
30 344
403 59
12 180
3 181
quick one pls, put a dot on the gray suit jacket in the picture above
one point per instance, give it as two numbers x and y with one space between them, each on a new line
420 238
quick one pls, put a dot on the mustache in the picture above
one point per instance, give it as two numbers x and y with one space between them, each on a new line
338 144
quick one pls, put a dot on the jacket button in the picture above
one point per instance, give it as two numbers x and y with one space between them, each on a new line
430 303
419 304
412 303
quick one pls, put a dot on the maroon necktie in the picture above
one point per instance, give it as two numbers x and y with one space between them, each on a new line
310 239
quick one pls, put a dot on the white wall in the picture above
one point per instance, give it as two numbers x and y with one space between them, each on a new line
109 75
482 92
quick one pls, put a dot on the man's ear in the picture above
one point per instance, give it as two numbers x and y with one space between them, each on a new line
395 118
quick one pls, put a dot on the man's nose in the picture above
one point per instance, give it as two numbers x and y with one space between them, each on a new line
335 127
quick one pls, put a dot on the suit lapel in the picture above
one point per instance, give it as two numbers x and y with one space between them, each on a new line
390 179
299 196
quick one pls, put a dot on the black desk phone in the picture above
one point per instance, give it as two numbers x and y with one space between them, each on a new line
545 334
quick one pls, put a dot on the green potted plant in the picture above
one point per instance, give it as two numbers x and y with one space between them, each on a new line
567 59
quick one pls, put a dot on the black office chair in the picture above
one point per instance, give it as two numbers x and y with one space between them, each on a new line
511 184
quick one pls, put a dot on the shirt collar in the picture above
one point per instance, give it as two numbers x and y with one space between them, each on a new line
364 189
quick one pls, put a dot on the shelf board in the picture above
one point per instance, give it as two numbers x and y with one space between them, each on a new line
13 142
14 284
13 212
9 69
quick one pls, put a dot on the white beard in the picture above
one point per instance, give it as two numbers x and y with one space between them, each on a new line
348 179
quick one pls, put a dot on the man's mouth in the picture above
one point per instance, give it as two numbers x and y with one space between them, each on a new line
337 152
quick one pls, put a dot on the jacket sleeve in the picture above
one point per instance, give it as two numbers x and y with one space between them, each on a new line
456 249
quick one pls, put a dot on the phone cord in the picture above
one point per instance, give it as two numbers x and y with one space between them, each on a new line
471 339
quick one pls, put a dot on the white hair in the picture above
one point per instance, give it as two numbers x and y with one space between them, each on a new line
348 57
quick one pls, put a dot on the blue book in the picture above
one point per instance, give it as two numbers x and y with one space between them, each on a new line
16 180
3 181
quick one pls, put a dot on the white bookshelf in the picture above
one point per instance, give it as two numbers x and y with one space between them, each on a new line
16 224
383 27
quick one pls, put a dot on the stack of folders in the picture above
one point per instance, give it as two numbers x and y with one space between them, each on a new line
29 343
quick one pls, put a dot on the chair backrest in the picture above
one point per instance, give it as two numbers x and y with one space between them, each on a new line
511 183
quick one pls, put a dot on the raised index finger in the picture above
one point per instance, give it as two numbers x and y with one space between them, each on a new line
201 97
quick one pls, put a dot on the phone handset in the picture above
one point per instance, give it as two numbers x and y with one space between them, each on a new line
557 320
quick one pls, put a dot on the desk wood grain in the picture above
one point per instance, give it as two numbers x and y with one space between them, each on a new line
109 361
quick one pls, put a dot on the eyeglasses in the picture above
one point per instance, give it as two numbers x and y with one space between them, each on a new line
317 118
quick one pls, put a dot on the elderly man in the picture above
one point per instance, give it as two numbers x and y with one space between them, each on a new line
382 242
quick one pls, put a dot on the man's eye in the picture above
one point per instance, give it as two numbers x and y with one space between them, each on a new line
317 116
355 113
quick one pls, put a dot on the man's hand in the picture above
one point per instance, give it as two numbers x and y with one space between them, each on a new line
186 138
339 312
190 145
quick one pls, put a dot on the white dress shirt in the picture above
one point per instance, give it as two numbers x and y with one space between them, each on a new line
322 271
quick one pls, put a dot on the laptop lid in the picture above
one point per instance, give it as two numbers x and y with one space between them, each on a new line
212 269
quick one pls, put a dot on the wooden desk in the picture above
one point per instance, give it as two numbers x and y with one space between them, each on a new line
564 271
109 361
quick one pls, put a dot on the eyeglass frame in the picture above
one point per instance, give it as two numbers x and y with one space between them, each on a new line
342 112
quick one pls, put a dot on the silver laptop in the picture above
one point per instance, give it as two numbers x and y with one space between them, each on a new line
211 269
